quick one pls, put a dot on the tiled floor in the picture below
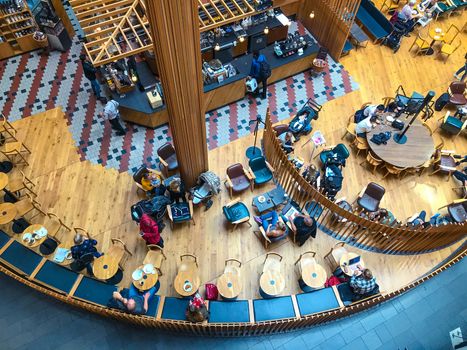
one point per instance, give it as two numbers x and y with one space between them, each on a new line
420 319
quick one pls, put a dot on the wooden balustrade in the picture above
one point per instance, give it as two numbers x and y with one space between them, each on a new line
356 230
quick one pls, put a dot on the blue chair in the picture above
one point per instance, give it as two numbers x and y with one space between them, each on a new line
340 150
452 125
21 258
267 241
180 212
236 213
229 311
273 309
262 171
317 301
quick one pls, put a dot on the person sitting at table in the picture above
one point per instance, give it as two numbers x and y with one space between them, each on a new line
407 16
84 246
136 302
176 191
362 281
286 139
373 110
149 230
303 226
152 183
427 8
271 224
395 107
366 125
418 219
197 310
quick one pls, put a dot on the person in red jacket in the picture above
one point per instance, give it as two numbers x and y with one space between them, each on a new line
150 231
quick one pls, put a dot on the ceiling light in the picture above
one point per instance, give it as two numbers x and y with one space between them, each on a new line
217 47
312 14
266 30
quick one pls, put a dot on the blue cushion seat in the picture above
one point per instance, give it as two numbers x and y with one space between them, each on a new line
236 212
347 47
317 301
452 125
153 305
260 169
21 257
229 311
340 150
4 238
174 308
373 20
94 291
180 212
273 309
56 276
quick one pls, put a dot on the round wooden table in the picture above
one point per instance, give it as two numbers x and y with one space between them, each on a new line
415 152
272 282
436 34
3 181
187 278
105 267
147 280
31 229
8 212
314 275
229 285
344 262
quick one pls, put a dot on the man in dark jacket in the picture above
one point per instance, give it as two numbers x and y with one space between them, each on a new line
90 72
258 72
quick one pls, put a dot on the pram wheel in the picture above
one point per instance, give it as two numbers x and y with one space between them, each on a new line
208 204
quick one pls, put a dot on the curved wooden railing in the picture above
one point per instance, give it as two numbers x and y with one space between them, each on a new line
356 230
238 329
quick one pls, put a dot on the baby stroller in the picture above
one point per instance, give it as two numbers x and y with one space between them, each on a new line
393 40
301 123
208 185
332 179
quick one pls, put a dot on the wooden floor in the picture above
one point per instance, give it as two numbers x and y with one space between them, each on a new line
99 199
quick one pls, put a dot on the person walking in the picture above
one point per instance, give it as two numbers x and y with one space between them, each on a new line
90 72
261 71
113 115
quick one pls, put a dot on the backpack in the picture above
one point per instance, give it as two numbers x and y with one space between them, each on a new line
264 70
441 102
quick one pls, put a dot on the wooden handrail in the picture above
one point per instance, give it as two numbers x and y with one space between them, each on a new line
355 230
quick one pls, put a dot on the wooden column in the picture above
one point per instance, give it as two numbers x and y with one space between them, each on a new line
175 31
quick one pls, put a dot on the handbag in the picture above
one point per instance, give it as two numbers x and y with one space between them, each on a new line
211 292
397 124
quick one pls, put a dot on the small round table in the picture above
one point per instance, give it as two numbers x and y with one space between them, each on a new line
415 152
31 229
186 278
272 282
8 212
436 34
105 267
344 261
229 285
314 275
147 281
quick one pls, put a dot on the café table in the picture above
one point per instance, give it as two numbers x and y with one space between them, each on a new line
344 262
187 282
272 199
31 229
229 285
8 212
436 34
414 153
105 266
147 280
272 282
314 275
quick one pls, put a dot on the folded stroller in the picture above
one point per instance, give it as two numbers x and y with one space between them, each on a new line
332 180
208 185
301 123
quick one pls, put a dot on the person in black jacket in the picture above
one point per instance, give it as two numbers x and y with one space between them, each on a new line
90 72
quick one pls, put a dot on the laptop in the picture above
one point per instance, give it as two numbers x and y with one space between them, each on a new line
353 264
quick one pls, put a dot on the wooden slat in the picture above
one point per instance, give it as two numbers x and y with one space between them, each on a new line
38 267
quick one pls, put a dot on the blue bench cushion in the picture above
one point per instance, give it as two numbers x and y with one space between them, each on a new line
174 308
273 309
95 291
317 301
229 311
56 276
152 306
347 46
21 257
3 238
373 20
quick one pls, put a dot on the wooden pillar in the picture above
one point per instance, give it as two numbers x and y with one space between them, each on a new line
176 37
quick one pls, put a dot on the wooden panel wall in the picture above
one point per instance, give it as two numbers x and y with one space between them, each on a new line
331 23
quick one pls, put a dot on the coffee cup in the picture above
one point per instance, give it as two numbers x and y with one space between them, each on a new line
68 255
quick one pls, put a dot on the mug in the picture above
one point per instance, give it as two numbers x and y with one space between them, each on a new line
68 255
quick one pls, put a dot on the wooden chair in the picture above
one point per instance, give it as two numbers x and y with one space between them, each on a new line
392 169
27 205
82 231
55 224
15 152
391 5
238 179
366 104
421 44
233 266
439 144
350 129
387 100
372 160
428 127
449 49
267 241
139 174
305 259
335 254
444 162
24 183
181 206
451 124
155 256
272 262
360 144
120 251
187 265
451 34
7 129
